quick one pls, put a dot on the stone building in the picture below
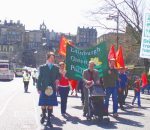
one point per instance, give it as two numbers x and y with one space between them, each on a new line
11 41
36 44
130 48
32 41
29 47
86 37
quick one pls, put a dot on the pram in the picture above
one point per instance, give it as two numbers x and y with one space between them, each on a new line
96 109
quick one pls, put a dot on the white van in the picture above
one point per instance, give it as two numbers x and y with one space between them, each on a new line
5 72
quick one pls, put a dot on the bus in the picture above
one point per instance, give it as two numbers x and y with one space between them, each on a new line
5 72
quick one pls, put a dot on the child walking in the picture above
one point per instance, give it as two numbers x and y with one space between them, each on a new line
137 92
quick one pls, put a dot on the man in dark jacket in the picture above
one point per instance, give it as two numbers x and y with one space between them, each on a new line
111 88
46 85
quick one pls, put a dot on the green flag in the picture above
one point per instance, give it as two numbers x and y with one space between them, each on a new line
77 60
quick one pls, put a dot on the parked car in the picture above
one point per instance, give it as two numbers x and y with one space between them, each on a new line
19 72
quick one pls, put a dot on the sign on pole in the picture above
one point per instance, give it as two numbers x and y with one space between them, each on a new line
145 42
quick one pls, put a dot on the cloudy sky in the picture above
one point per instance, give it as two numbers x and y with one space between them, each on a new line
59 15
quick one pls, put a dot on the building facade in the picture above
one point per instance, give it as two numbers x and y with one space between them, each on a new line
29 47
127 41
86 37
32 41
11 40
38 42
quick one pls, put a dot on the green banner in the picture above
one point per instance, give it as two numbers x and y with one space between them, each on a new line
77 60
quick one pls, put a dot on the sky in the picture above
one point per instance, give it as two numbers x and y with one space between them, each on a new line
59 15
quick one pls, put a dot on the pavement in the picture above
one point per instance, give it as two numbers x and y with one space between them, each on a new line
20 111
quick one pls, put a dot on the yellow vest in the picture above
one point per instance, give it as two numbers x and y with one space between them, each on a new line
26 77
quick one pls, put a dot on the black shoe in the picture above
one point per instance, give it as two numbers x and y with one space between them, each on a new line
122 108
49 124
42 120
84 114
123 103
51 115
132 103
63 114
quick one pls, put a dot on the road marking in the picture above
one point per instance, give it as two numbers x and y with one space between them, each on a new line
7 102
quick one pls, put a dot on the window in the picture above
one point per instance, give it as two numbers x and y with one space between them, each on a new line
11 49
5 48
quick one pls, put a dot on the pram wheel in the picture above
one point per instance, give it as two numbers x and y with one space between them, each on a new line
100 118
106 120
88 118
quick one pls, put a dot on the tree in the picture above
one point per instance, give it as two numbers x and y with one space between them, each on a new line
129 13
125 12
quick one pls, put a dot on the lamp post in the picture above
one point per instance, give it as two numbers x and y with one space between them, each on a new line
115 18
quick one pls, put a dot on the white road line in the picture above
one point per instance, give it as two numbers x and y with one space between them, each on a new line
7 102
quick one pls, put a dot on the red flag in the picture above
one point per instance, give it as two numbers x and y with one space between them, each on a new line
73 83
63 45
119 58
144 80
112 53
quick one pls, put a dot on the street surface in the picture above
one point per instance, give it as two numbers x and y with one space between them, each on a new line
20 111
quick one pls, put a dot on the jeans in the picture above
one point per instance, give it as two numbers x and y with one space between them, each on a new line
113 91
137 95
63 91
121 97
146 87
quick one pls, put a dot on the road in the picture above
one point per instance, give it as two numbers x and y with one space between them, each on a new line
20 111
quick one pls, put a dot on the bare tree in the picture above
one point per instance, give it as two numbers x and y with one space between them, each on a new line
128 11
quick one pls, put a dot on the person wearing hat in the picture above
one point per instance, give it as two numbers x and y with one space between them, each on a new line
110 81
90 77
63 88
46 86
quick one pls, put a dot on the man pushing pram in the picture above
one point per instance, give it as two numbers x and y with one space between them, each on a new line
93 94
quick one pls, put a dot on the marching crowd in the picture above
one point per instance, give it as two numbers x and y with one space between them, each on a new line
53 81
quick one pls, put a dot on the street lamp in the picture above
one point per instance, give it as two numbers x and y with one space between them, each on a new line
115 18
